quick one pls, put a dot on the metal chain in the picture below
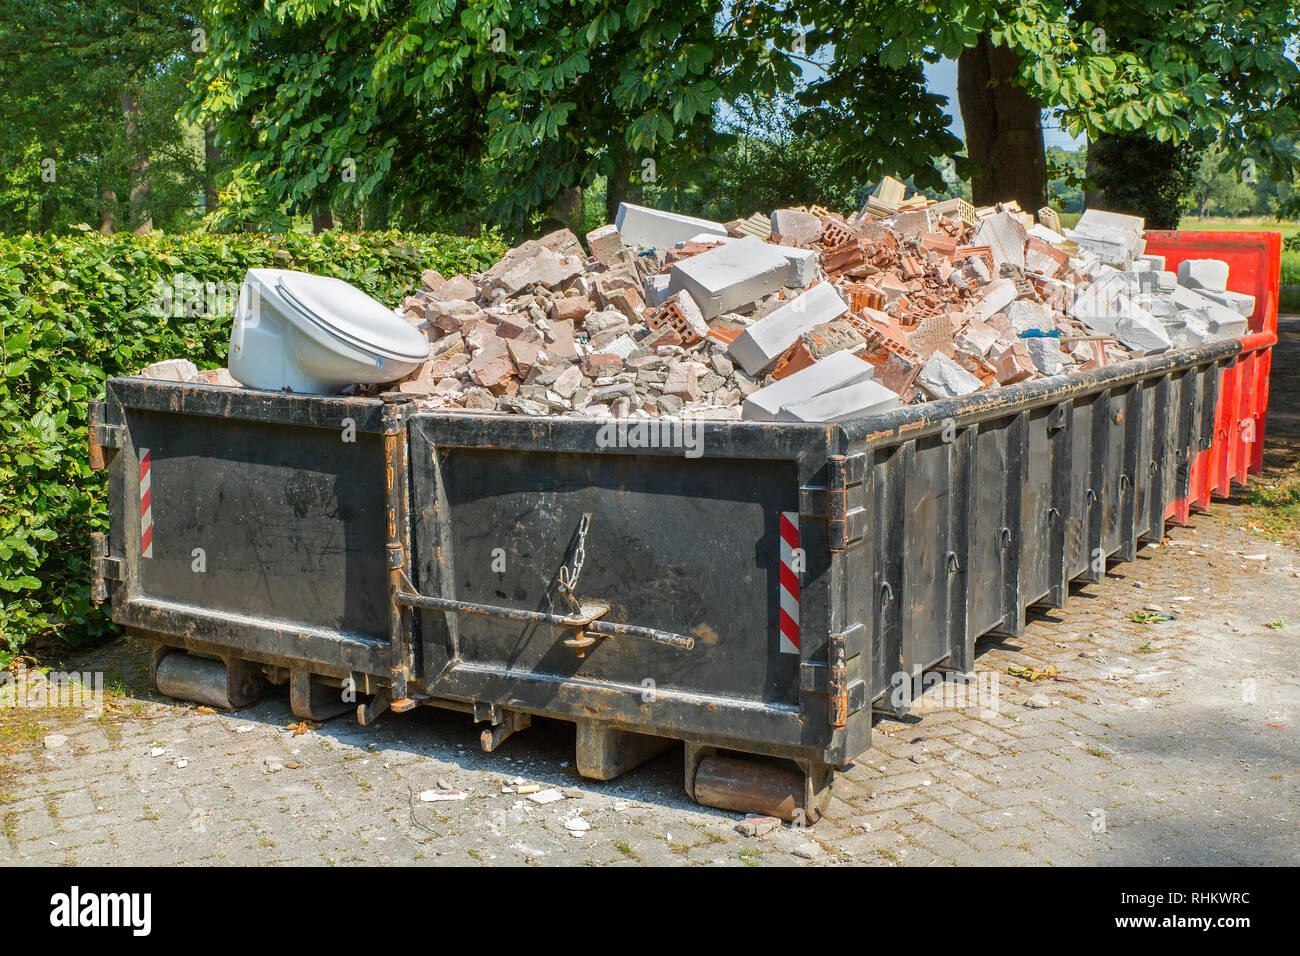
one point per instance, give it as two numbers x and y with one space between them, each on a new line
569 578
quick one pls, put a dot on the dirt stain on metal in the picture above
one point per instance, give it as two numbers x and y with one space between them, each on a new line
706 634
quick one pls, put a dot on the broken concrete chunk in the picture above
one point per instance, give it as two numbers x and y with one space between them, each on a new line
1243 305
976 338
171 370
760 345
941 377
656 289
1045 352
1005 235
1112 237
457 287
998 294
1139 330
1025 315
803 227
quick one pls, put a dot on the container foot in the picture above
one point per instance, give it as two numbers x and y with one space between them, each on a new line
227 684
604 752
794 791
309 699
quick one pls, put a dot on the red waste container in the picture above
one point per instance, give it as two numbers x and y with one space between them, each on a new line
1255 268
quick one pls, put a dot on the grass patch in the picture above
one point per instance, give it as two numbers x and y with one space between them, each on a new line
626 849
1275 509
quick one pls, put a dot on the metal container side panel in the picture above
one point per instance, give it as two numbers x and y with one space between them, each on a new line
986 505
1036 503
988 545
926 520
1079 542
242 528
695 545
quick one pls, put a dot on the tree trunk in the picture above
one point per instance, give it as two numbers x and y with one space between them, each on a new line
619 187
140 213
568 208
411 215
1093 196
1004 128
48 206
211 159
107 210
321 217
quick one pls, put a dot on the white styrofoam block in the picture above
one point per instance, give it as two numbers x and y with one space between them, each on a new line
643 226
762 343
1203 274
835 371
731 276
861 398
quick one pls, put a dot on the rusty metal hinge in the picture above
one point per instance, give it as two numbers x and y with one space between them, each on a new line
102 567
843 525
102 435
846 697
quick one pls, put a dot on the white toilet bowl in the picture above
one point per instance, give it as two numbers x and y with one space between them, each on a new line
309 333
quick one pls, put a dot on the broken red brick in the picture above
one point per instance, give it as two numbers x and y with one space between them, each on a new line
570 307
680 313
1014 365
663 336
597 364
863 296
797 357
513 326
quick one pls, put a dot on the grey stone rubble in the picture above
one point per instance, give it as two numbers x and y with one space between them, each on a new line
671 315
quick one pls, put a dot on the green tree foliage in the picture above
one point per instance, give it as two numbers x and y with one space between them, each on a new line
1199 71
88 95
1142 176
479 104
82 308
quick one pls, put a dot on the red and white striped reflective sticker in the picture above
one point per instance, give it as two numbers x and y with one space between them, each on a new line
790 582
146 507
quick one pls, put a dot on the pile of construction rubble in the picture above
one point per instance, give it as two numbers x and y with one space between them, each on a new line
805 315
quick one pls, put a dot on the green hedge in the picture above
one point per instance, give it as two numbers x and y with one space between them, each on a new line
76 310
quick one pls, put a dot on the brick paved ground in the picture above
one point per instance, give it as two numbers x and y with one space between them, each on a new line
1176 742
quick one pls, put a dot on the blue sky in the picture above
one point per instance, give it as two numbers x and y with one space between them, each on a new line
941 78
